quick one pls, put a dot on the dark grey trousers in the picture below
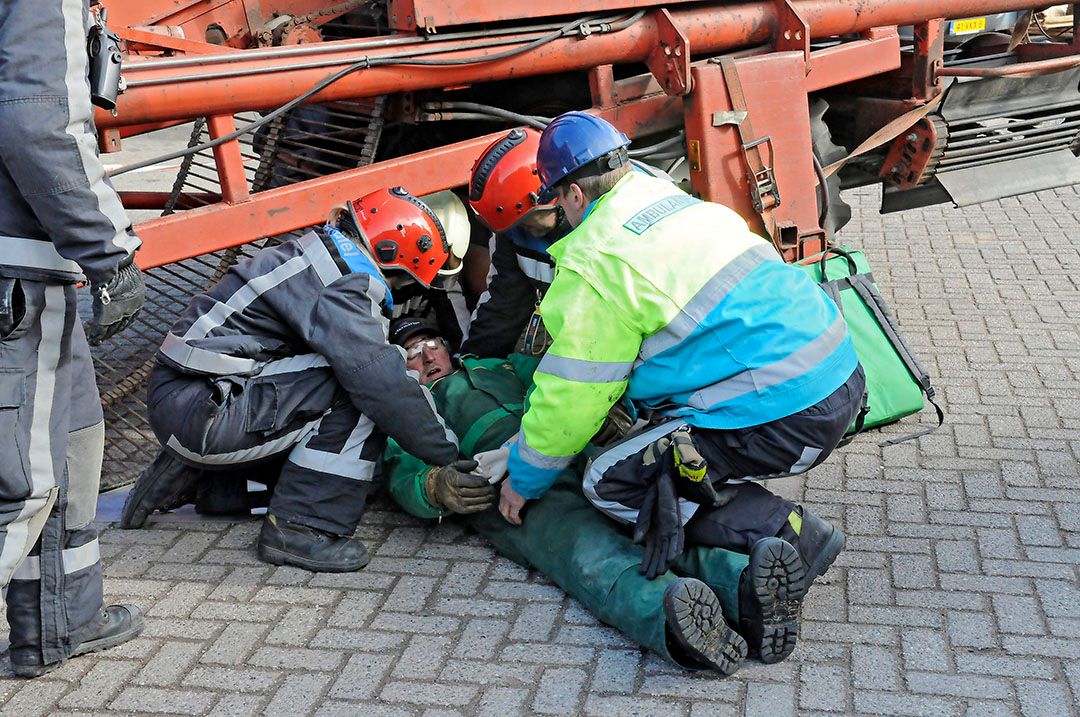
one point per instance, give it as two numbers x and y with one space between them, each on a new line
743 458
50 468
294 407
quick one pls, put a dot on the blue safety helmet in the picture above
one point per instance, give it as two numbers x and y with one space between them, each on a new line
570 142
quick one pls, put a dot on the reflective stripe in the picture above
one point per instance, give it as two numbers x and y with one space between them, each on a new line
19 539
75 559
806 459
537 459
244 296
79 115
584 371
35 254
320 257
197 359
203 361
344 464
294 364
536 270
792 366
486 296
706 299
600 465
243 455
256 487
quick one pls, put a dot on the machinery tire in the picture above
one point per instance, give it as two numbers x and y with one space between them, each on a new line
827 152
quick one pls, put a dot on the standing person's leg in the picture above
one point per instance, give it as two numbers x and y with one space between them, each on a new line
55 596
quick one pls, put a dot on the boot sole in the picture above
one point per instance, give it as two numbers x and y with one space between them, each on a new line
826 556
280 557
696 621
777 586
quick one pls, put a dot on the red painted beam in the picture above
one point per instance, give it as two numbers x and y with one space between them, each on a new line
224 85
276 211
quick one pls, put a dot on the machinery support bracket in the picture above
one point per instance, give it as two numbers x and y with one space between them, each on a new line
792 31
669 62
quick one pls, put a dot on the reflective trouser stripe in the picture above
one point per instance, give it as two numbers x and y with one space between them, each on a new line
594 474
346 463
22 532
244 455
75 559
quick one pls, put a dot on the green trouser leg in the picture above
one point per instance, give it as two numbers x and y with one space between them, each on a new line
583 552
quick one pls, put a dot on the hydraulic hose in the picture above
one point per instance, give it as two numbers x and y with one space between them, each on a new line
594 24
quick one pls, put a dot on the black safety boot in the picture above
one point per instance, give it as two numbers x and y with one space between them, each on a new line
817 540
116 625
285 543
696 625
167 484
771 591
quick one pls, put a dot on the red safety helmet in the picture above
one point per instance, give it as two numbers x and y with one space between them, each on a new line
401 232
504 185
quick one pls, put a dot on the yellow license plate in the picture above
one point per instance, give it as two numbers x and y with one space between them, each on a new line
964 27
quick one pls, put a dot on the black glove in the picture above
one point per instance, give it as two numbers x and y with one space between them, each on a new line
117 303
455 489
692 478
617 424
10 313
659 524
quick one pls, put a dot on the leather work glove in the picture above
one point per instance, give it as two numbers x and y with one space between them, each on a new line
9 317
617 424
659 525
457 489
117 303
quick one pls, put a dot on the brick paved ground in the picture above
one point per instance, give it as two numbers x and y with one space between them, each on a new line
957 594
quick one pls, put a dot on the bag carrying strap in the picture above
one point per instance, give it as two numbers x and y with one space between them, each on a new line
863 285
752 152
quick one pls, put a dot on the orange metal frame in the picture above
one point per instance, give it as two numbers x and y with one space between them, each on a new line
776 86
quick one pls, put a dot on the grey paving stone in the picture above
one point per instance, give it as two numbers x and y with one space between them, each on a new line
769 700
559 691
154 699
298 694
502 702
238 706
1038 697
956 594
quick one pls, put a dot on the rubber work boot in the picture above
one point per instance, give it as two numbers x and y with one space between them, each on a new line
167 484
696 625
285 543
116 625
817 540
770 597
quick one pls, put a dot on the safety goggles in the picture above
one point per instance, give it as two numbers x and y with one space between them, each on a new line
418 348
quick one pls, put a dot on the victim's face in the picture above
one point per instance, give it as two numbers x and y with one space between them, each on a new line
429 357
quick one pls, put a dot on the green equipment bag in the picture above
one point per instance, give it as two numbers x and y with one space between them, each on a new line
895 380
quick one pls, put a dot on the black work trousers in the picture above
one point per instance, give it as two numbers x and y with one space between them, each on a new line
616 483
293 409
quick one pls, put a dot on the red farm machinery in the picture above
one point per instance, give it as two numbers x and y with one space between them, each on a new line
768 106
